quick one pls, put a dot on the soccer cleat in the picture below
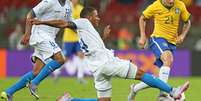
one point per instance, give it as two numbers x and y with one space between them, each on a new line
5 96
177 92
132 94
32 89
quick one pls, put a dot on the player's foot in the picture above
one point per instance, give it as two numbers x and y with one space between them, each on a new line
132 94
5 96
65 97
32 89
177 92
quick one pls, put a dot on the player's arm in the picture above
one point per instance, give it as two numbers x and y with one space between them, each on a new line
142 26
106 32
146 15
55 23
28 27
185 30
185 16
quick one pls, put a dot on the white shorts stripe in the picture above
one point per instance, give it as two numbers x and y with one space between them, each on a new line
157 45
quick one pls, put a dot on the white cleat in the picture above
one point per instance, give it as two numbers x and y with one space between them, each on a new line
177 92
132 94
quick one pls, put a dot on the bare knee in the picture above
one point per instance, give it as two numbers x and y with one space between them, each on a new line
38 66
59 57
139 74
167 58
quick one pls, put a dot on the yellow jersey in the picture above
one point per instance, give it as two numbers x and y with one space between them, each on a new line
70 35
166 20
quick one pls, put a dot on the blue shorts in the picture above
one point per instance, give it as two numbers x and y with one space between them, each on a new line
158 46
71 48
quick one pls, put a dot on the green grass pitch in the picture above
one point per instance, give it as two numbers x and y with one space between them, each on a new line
50 90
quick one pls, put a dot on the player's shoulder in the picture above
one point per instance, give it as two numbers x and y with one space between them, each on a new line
154 4
82 21
179 3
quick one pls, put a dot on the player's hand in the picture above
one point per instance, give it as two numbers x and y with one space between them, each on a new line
142 42
106 31
180 39
35 21
25 39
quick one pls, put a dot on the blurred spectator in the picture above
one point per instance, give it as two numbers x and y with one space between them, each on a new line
14 38
125 38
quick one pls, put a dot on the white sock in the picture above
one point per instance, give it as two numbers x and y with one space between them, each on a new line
164 73
80 67
140 86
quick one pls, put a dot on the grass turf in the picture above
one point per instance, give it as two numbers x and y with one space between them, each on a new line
49 90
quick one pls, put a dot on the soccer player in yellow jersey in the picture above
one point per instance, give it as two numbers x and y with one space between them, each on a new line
71 46
165 37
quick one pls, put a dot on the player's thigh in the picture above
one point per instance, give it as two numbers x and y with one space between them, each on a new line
158 46
59 57
103 84
116 67
68 48
38 65
78 50
45 50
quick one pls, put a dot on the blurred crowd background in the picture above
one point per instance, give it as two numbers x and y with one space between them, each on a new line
122 15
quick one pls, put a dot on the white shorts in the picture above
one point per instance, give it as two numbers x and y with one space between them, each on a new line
44 50
102 76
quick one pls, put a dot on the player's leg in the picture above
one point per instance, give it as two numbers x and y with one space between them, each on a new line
57 61
67 50
155 82
160 48
103 84
46 50
24 80
81 64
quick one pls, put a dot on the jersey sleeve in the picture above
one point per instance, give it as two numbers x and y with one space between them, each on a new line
149 11
82 23
42 7
185 15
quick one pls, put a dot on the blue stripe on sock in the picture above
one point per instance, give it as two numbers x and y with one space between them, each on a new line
21 83
46 70
156 83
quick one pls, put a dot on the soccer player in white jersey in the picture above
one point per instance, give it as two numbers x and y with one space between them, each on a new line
102 62
47 54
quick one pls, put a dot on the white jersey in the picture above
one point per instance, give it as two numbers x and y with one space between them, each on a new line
92 44
49 10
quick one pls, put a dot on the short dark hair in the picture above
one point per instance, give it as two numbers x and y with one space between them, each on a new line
86 11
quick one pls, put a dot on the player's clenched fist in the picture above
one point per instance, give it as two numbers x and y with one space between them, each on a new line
142 42
25 39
